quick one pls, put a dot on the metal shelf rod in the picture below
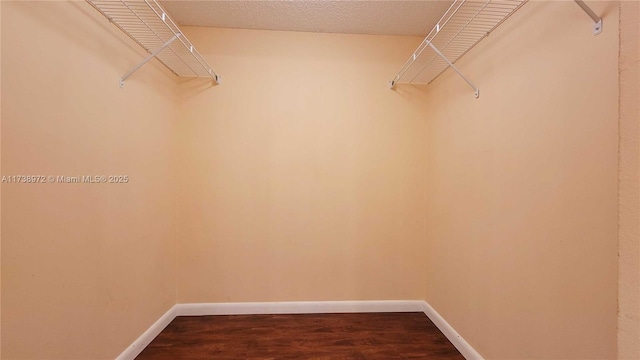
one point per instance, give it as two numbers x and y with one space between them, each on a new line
455 68
146 60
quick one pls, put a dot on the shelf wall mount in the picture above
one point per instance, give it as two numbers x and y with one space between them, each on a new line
149 25
597 26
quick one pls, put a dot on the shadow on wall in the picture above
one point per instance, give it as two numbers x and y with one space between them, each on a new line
86 28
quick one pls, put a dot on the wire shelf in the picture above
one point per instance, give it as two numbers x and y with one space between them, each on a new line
149 25
463 25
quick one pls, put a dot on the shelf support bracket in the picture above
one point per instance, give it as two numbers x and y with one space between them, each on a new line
597 27
477 90
146 60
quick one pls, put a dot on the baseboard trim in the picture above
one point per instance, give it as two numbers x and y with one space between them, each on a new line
147 337
458 341
299 307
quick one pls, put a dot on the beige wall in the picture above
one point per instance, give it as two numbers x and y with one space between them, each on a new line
86 268
629 241
302 176
522 188
0 186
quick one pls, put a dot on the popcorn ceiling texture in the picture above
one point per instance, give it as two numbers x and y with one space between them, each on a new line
351 17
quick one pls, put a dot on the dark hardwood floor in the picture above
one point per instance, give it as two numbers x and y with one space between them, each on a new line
308 336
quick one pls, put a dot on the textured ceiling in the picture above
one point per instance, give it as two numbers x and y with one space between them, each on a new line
391 17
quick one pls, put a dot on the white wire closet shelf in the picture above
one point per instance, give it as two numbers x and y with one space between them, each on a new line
149 25
463 25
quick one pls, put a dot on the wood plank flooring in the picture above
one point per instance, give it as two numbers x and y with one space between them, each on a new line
308 336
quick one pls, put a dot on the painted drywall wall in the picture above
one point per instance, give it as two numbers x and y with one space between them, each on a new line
0 186
629 201
86 268
522 188
302 176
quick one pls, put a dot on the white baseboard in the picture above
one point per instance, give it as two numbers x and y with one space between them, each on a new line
147 337
458 341
299 307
